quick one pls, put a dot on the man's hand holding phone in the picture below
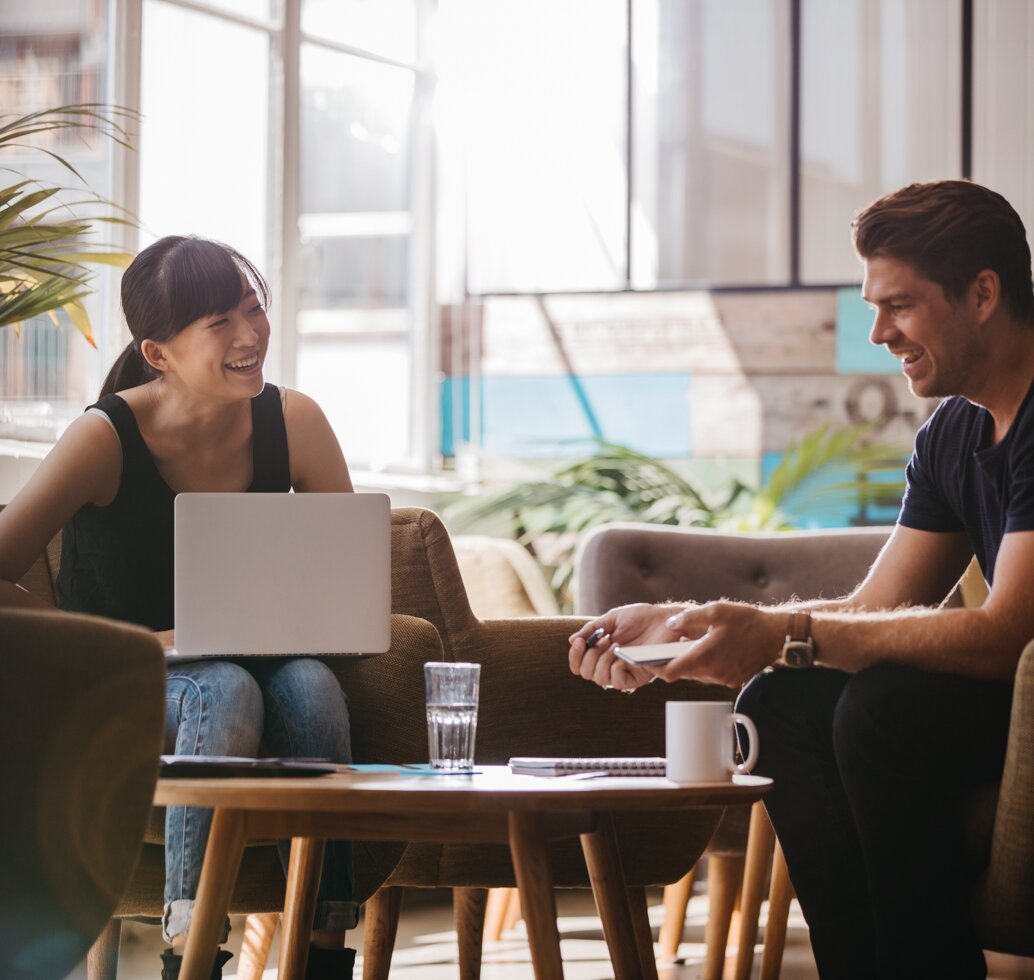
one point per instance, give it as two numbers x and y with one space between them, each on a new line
653 654
592 656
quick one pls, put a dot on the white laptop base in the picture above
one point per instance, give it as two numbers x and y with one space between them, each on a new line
281 574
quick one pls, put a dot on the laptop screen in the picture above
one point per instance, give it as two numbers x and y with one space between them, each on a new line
282 573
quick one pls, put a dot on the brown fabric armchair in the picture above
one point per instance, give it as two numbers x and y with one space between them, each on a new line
640 563
82 730
386 705
530 705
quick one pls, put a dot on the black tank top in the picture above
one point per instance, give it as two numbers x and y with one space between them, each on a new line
117 561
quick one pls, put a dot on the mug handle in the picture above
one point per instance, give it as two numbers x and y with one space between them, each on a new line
752 755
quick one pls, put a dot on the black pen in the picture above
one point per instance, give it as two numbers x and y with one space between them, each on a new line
594 637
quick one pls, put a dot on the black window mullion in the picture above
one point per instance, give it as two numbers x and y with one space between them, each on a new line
629 134
967 89
795 143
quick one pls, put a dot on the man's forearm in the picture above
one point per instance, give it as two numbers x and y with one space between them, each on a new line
970 642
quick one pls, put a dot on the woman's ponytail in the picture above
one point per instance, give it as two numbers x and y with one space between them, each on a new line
128 371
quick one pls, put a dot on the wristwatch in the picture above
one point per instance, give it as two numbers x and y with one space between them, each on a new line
798 647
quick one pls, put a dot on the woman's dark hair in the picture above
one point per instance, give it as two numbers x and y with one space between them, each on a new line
949 231
168 286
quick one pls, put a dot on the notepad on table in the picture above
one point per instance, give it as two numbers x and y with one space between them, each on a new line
528 765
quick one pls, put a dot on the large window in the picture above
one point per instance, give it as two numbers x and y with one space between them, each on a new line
709 156
294 135
1003 101
663 144
378 157
881 106
53 55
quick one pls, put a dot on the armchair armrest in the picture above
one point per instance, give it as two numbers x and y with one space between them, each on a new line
386 693
1005 901
531 703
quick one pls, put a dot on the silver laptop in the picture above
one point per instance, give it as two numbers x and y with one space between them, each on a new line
273 574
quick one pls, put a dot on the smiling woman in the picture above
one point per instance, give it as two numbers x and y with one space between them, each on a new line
176 283
186 408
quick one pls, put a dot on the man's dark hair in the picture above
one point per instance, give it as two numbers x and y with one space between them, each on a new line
949 231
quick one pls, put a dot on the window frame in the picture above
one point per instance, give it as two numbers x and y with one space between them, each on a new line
794 281
286 40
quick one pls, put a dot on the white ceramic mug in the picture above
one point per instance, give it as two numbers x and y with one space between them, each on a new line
700 743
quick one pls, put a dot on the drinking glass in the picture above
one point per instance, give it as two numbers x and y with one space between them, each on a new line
452 714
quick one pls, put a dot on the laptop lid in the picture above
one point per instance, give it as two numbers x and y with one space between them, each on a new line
282 573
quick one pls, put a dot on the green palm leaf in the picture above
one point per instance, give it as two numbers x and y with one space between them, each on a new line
616 483
46 259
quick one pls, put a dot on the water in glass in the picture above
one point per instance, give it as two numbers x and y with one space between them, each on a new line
450 735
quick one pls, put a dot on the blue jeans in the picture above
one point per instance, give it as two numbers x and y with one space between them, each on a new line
218 707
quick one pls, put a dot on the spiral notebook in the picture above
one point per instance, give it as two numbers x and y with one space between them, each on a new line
529 765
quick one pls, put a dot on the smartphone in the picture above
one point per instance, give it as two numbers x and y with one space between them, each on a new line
653 654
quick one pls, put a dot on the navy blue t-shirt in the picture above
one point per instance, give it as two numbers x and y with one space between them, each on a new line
957 481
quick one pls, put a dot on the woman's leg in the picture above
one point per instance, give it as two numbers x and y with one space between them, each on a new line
307 717
212 707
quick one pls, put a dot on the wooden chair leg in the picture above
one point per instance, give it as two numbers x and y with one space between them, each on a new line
303 882
513 910
723 882
380 927
259 930
603 861
495 913
643 932
468 906
102 960
778 910
676 901
760 840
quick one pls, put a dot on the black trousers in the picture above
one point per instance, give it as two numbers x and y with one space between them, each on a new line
870 773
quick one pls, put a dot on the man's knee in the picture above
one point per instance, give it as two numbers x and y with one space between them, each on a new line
764 700
760 692
876 713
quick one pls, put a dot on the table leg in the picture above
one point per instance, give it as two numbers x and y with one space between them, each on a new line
603 860
218 874
303 882
760 840
528 848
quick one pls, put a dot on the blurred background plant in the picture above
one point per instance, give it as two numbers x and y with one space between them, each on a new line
48 244
828 465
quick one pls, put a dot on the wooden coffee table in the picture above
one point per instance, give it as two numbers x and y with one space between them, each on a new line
492 806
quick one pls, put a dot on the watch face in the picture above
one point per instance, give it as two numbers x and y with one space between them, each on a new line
798 653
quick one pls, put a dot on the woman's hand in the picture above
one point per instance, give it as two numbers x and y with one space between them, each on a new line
167 638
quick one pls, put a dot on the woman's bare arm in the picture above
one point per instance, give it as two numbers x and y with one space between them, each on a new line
317 463
83 468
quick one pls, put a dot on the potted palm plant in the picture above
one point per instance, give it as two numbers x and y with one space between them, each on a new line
616 483
47 249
